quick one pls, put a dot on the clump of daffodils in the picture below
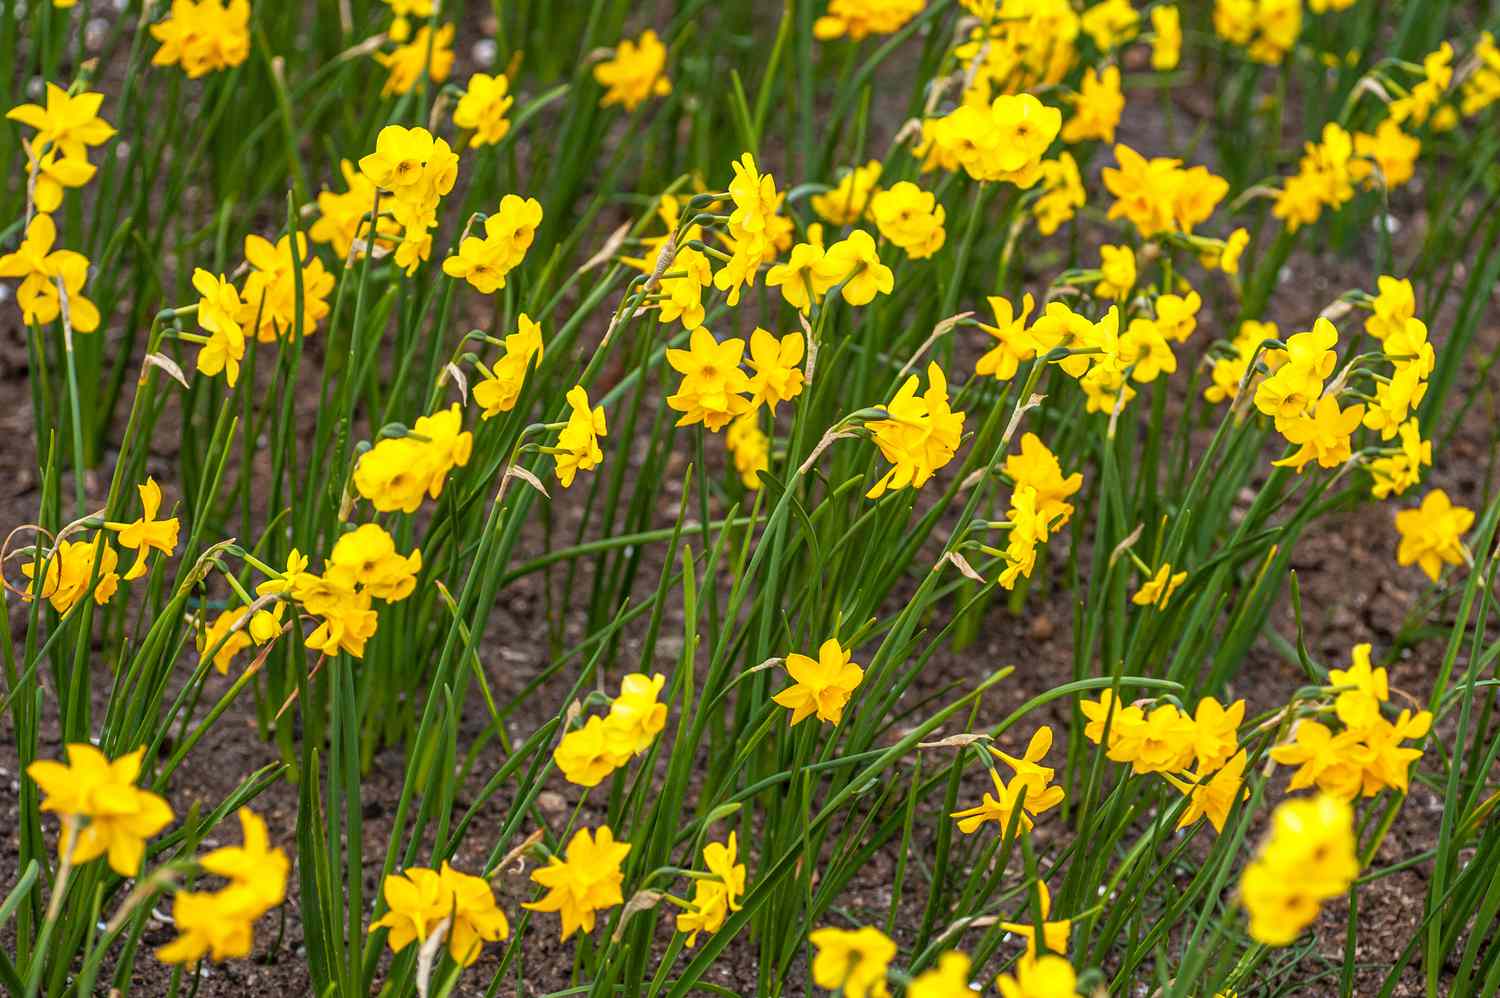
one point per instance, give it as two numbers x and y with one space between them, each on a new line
363 566
1323 179
1099 354
1306 859
483 108
203 36
858 19
486 261
399 471
72 570
427 54
591 752
500 388
715 390
1266 29
1028 793
421 902
1014 47
1199 754
1367 755
414 171
577 446
634 71
919 435
1160 195
269 294
910 218
344 218
715 894
1038 507
1299 391
220 924
1004 141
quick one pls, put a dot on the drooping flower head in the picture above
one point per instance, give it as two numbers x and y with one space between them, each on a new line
578 443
